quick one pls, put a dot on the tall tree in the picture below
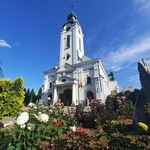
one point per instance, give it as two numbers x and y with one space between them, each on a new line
27 97
1 71
39 93
32 96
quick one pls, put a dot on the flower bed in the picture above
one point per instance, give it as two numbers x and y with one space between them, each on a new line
50 127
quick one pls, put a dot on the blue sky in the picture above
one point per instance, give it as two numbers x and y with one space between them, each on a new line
116 31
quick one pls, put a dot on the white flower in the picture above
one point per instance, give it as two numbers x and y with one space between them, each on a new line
23 118
23 126
37 117
30 126
43 118
55 120
35 108
39 113
31 104
50 111
73 128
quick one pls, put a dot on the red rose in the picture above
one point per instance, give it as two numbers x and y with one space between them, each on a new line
57 123
81 131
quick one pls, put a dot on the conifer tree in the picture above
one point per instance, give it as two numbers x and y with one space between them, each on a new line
27 97
32 96
39 93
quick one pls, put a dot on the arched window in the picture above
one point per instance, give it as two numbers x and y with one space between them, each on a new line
68 41
50 85
68 28
68 56
88 80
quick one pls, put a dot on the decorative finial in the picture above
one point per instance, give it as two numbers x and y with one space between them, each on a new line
72 8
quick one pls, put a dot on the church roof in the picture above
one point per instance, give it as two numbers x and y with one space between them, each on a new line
86 58
72 18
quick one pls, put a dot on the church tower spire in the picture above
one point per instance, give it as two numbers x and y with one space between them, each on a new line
71 41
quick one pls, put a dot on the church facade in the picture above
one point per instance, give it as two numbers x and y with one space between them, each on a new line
76 76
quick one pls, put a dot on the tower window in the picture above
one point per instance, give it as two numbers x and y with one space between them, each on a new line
50 85
88 80
80 44
68 28
68 56
68 41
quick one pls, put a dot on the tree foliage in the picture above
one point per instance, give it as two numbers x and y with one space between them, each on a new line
31 96
11 96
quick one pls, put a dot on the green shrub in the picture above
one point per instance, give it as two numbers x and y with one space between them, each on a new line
11 96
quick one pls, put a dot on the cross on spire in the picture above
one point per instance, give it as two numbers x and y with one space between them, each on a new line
72 8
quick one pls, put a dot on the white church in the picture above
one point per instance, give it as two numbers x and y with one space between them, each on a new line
76 77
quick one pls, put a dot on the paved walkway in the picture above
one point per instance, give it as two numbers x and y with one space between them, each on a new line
9 121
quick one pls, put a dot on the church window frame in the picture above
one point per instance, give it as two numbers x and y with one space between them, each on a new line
68 56
50 85
88 80
68 28
79 44
68 41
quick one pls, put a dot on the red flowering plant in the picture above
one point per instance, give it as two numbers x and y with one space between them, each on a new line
119 106
82 131
79 113
88 116
59 104
70 117
125 107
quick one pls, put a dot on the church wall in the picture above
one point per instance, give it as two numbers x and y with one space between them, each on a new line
80 76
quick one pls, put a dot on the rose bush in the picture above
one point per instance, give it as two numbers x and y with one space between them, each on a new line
41 124
23 118
50 127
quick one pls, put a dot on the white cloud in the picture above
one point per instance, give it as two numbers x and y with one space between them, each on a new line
142 6
133 78
3 43
127 54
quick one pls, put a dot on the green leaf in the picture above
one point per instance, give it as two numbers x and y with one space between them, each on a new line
11 148
29 134
18 148
47 137
19 144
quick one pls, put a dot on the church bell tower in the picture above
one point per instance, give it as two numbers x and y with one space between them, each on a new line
71 42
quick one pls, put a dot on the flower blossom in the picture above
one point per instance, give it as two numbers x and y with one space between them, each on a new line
37 117
31 104
143 125
23 118
57 123
30 126
23 126
73 128
81 131
43 118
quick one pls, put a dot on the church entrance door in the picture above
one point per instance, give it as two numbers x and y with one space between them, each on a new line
90 95
67 97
